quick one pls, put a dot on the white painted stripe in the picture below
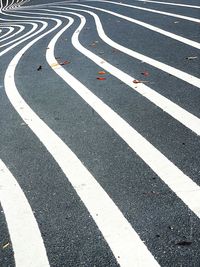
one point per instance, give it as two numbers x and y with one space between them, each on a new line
44 26
186 118
6 3
21 28
149 26
151 10
24 232
167 3
34 27
10 30
162 66
121 237
187 190
9 6
166 68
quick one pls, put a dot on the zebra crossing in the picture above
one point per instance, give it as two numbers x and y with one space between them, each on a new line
100 133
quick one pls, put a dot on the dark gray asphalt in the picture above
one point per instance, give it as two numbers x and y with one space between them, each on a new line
160 218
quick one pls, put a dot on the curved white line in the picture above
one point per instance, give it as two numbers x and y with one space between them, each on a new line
29 19
183 186
34 27
6 4
10 30
167 3
123 240
150 10
24 232
161 31
44 26
157 64
149 26
162 66
21 28
144 24
186 118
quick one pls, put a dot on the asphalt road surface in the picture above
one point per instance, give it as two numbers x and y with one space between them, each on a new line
99 133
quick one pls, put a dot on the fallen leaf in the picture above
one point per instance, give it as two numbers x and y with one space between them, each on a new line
191 58
101 78
136 81
64 62
93 44
145 73
101 72
39 68
6 245
184 243
139 81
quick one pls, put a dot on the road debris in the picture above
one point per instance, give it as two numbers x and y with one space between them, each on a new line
101 78
145 73
101 72
139 81
184 243
64 62
6 245
191 58
39 68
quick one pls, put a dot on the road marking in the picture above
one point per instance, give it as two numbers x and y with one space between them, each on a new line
151 10
150 27
121 237
166 68
10 30
186 118
21 28
167 3
187 190
44 26
24 232
34 27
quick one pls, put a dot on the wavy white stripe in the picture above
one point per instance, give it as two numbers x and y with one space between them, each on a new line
34 27
44 26
187 190
119 234
160 65
186 118
149 26
151 10
23 229
164 67
10 30
168 3
16 32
